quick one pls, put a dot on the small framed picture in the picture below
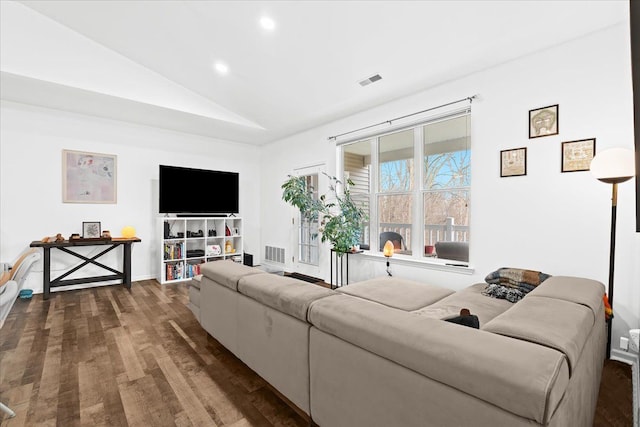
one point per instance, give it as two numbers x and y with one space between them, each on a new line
577 155
91 230
513 162
544 121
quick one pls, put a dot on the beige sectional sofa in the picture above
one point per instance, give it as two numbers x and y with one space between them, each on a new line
377 353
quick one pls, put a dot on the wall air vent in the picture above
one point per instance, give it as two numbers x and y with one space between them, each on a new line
274 254
370 80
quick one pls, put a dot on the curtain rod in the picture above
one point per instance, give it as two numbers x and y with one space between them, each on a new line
468 98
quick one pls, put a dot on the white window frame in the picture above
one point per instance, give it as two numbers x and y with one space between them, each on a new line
418 192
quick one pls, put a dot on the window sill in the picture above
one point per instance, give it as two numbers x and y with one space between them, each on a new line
429 263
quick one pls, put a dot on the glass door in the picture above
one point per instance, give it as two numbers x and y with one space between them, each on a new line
307 244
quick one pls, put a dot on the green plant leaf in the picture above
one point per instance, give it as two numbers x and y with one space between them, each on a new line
341 227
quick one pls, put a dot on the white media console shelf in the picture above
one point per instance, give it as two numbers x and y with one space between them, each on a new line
188 242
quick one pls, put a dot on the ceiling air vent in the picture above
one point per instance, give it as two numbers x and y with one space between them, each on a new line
370 80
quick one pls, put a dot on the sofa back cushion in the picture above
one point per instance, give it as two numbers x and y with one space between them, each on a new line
285 294
581 291
397 293
488 366
227 273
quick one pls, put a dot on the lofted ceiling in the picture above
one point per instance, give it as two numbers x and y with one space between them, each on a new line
152 62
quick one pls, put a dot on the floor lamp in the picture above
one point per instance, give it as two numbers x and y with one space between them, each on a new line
613 166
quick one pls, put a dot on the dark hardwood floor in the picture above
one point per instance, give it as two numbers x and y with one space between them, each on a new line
615 400
111 357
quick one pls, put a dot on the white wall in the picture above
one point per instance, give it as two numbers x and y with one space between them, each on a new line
549 221
31 144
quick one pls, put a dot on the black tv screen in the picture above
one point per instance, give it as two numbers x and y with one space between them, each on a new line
198 191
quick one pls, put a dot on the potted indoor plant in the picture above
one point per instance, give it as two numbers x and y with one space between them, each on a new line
341 218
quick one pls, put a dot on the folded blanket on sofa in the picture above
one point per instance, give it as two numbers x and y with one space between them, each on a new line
512 284
524 280
503 292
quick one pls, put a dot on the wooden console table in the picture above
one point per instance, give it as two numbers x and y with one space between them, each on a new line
64 246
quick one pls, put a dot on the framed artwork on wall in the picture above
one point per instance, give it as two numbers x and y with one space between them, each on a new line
513 162
88 177
577 155
544 121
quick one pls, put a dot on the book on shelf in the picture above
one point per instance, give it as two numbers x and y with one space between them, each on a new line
173 251
193 268
174 271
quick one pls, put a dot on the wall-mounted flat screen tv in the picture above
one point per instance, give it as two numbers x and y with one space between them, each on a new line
198 191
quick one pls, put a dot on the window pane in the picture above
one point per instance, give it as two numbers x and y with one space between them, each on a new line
396 162
356 159
363 201
446 216
308 239
395 215
447 154
446 181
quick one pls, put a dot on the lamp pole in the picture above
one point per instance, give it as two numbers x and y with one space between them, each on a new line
612 257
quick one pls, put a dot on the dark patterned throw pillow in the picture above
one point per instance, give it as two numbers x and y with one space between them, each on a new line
512 284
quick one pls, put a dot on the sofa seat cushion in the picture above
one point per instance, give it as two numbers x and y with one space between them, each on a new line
488 366
554 323
285 294
577 290
397 293
471 298
227 273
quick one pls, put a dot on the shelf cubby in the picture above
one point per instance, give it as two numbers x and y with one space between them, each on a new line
179 260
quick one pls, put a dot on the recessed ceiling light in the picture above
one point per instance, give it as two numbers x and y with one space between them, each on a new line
267 23
221 68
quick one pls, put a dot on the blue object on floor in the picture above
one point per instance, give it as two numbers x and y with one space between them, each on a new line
26 293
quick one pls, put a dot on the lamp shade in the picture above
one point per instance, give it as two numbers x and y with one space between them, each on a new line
128 232
388 249
614 165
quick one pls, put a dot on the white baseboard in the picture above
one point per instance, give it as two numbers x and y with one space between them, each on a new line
144 277
633 360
